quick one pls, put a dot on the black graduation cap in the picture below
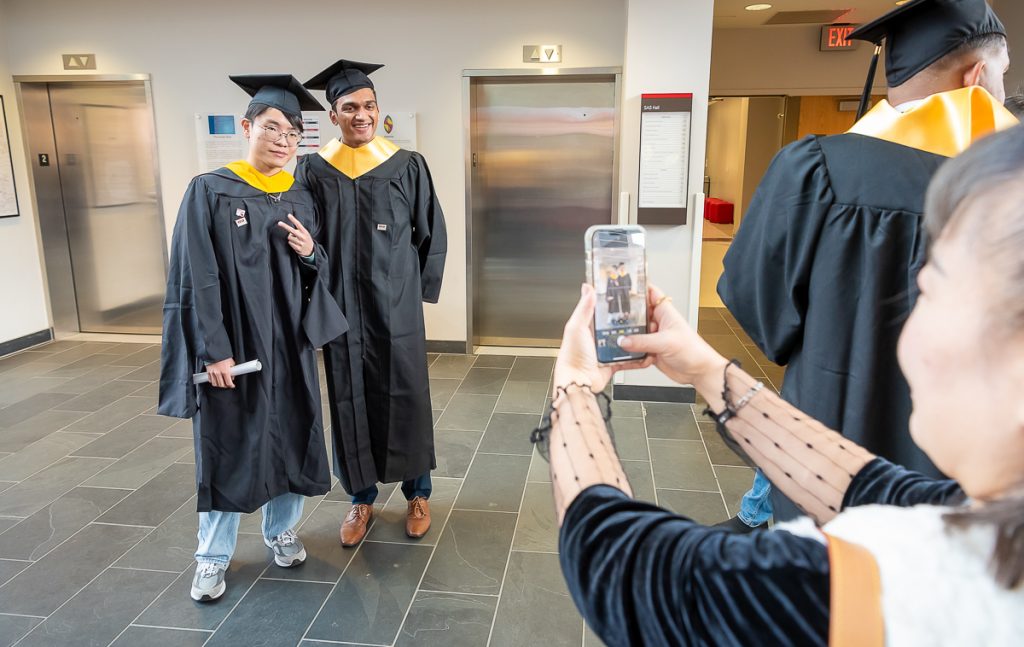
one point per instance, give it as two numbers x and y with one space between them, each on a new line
281 91
343 78
921 32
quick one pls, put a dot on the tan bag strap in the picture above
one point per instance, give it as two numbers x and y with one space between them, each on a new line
856 596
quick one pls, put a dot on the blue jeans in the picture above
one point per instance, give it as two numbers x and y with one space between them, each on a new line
756 507
218 531
419 486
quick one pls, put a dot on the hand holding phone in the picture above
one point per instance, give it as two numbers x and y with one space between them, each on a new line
617 268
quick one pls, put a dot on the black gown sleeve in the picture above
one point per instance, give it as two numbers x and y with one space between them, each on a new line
322 319
197 232
767 268
429 234
643 576
881 482
193 326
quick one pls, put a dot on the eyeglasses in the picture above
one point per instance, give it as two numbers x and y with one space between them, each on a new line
273 135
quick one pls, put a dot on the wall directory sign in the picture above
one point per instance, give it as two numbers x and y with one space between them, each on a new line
8 193
664 158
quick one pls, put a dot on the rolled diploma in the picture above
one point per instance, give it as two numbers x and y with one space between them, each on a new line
238 369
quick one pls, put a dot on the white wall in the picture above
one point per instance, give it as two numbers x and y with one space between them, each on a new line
786 60
668 49
22 297
189 47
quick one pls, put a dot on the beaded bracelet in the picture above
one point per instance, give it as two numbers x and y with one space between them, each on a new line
541 435
731 411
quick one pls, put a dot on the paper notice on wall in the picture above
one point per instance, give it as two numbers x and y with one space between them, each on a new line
219 140
311 133
399 127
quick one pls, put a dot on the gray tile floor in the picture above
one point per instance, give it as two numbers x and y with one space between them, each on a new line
97 517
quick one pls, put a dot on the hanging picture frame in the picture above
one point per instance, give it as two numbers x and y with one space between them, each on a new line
8 192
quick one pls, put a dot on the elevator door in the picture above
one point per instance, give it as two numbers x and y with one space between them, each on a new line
542 159
105 156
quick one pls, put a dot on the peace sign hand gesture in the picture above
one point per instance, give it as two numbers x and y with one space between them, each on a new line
299 238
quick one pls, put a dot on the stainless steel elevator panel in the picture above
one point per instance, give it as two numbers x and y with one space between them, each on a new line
105 155
543 167
35 110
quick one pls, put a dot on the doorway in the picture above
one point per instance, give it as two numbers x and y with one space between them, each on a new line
541 169
93 158
744 134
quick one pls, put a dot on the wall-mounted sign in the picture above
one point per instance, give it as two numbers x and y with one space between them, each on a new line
400 128
542 53
79 61
664 158
8 192
836 38
311 141
219 140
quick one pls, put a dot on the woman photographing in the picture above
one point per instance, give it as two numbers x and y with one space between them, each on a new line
884 556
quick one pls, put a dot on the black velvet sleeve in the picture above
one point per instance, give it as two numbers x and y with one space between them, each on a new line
881 482
641 575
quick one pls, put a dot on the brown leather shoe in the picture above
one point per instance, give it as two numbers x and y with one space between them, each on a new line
417 521
353 528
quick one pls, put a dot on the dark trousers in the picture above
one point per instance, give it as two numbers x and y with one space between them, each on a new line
419 486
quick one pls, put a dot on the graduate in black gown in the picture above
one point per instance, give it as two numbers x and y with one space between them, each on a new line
384 232
247 282
821 274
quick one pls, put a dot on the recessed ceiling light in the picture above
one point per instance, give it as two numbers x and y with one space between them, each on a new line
757 7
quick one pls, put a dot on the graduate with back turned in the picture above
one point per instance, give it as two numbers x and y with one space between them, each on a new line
384 232
248 283
822 273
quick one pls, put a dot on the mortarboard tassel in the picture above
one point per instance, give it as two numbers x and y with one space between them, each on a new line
865 99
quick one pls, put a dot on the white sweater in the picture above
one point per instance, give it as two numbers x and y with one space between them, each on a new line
937 588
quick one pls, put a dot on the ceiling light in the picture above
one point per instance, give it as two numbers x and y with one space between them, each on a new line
758 7
900 3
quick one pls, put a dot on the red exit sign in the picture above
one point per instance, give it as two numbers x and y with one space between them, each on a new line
836 38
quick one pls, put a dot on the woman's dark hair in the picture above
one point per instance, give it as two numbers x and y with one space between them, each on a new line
979 195
256 109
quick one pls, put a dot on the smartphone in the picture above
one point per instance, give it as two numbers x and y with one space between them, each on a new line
617 268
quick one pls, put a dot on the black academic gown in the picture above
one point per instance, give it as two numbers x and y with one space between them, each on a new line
614 295
385 235
641 575
236 289
822 276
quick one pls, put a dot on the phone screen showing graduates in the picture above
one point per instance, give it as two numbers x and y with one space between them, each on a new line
617 268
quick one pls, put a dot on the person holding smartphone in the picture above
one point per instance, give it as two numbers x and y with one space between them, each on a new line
247 282
882 555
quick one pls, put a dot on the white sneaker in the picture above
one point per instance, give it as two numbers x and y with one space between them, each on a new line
208 584
288 550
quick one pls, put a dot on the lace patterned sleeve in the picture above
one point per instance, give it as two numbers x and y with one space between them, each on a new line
811 464
576 439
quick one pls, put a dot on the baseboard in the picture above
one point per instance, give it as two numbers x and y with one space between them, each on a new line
28 341
680 394
442 346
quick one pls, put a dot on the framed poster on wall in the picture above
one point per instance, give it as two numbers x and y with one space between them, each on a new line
8 193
